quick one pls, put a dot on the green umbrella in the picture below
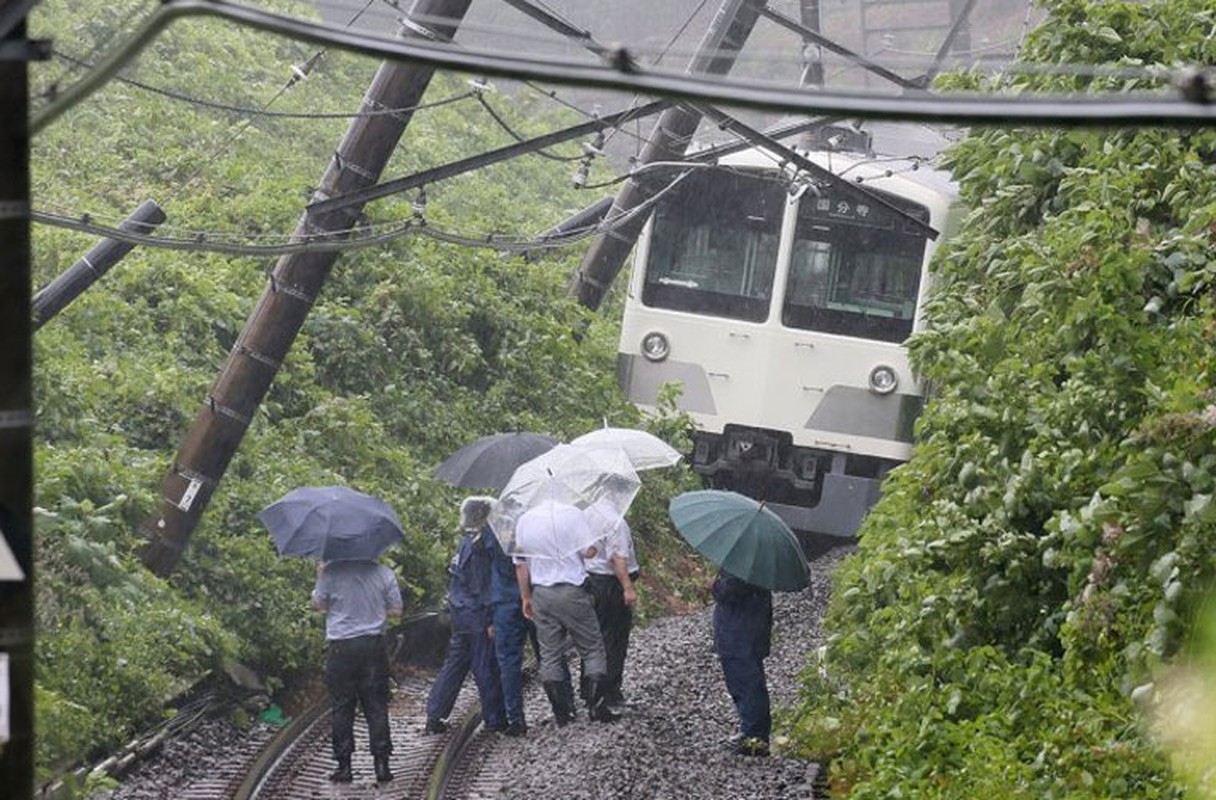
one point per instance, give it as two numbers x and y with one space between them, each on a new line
743 537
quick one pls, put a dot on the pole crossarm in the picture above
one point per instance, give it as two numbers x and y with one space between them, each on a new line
753 136
556 23
958 25
829 44
398 185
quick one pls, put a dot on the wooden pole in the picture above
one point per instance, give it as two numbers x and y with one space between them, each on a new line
56 295
294 285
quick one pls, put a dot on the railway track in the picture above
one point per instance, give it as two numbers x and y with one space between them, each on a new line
461 763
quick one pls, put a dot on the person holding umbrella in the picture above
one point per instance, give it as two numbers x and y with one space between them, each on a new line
743 630
358 598
511 629
551 539
611 574
470 646
347 531
757 554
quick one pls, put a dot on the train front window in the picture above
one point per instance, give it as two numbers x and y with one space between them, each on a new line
713 247
855 269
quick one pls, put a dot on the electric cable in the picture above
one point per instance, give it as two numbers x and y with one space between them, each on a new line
1189 103
264 111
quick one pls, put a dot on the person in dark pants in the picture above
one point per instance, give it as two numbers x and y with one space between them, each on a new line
611 574
743 627
470 646
510 629
358 598
551 588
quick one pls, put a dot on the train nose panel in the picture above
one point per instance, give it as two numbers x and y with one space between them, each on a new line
859 412
641 379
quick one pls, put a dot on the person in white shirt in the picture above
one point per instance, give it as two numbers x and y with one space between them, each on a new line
552 593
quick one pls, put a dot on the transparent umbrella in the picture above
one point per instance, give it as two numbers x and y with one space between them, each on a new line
566 475
644 449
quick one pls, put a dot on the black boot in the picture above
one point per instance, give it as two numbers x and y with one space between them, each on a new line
561 698
597 701
342 773
383 773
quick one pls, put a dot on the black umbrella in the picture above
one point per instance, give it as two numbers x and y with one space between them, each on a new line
489 462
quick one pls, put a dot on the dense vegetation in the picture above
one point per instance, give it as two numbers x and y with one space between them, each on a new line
413 349
1031 579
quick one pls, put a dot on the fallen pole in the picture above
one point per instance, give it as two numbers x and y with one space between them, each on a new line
73 282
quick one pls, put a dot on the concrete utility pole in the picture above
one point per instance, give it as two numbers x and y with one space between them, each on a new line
16 418
668 141
294 286
55 297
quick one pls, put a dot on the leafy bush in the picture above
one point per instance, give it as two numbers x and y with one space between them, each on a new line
1039 559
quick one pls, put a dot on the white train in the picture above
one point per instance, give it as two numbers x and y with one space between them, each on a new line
780 301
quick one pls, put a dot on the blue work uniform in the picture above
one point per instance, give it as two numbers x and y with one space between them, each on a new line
469 647
743 627
510 630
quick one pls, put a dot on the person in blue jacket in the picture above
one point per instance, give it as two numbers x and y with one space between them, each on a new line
470 646
510 628
743 627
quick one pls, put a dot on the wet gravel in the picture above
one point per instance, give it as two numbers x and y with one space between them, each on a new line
670 742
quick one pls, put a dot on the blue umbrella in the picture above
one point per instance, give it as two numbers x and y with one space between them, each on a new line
331 523
743 537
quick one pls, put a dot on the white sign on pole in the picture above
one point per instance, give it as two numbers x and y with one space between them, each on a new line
10 570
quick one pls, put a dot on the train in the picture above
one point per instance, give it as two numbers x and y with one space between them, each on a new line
777 294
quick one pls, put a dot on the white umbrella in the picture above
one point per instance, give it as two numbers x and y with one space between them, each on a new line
552 530
567 475
645 450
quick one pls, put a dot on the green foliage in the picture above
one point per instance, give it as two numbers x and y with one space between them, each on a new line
1042 557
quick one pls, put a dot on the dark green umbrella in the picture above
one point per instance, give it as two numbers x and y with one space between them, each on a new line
743 537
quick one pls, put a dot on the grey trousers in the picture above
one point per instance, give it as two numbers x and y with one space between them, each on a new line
561 610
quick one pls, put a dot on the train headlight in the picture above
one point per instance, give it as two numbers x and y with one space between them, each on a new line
655 346
883 379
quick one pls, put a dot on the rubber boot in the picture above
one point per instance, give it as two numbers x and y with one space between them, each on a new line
342 774
383 773
561 698
597 703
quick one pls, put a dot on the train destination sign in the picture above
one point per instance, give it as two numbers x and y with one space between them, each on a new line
839 208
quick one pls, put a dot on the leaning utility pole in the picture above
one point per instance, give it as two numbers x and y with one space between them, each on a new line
667 142
16 416
293 288
89 268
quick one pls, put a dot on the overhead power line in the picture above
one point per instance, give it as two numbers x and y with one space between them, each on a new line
1189 103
